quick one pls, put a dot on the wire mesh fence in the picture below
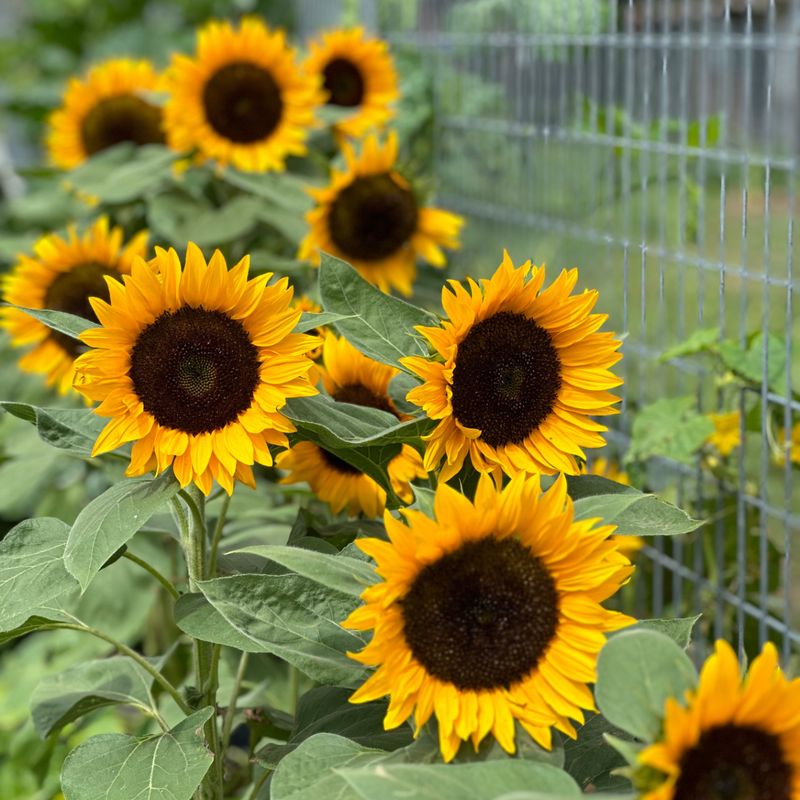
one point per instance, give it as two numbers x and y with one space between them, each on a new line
654 144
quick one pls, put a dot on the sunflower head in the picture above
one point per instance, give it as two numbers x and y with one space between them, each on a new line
193 365
517 373
63 274
489 613
357 74
370 216
243 99
108 106
727 432
732 739
350 377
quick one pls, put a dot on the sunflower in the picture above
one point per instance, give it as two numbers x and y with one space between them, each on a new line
107 107
489 613
733 738
350 377
243 100
357 73
517 373
727 434
610 469
62 275
193 364
370 217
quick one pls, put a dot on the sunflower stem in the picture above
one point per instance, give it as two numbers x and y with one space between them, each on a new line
215 539
206 655
154 572
230 711
294 688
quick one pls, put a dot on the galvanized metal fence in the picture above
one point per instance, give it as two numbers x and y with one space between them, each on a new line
654 144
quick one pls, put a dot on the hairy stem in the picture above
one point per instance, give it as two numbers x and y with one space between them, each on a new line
215 539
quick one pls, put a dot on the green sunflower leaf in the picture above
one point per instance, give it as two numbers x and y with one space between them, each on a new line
32 572
66 696
309 321
281 189
290 616
379 325
73 429
168 766
637 671
124 172
678 629
69 324
111 519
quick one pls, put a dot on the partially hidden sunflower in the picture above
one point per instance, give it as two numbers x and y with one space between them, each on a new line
610 469
727 435
110 105
369 216
61 275
243 99
358 74
732 739
193 365
517 374
351 377
489 613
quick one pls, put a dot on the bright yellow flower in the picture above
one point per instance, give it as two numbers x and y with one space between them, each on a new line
193 365
732 738
108 106
517 373
62 275
351 377
489 613
727 432
357 73
370 217
243 99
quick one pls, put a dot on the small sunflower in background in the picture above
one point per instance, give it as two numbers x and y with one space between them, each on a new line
357 73
610 469
369 216
62 274
242 100
489 613
351 377
110 105
727 434
731 738
193 365
517 374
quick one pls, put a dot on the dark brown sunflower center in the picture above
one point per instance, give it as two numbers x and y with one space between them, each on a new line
242 102
506 378
338 464
361 395
71 291
124 118
732 762
372 217
344 82
482 616
194 370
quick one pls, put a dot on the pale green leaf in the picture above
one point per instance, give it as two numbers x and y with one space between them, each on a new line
637 671
310 321
678 629
111 519
68 324
165 767
73 429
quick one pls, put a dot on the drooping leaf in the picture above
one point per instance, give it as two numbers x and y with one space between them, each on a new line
69 324
337 572
111 519
73 429
379 325
68 695
165 767
290 616
637 671
32 570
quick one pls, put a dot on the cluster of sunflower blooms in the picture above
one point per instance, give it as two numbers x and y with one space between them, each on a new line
488 612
